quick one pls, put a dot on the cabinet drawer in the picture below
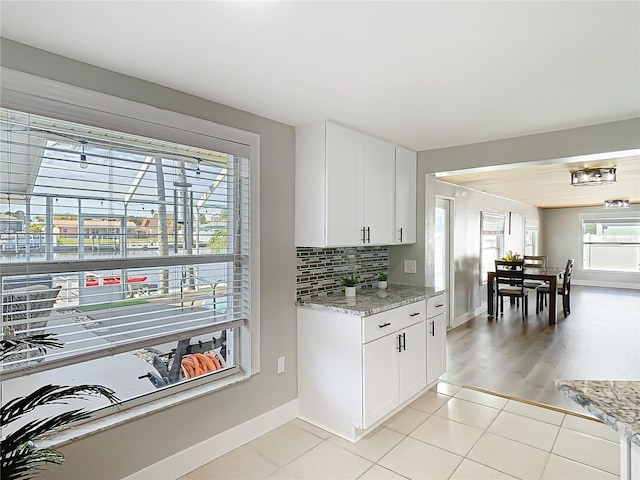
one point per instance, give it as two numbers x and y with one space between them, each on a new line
436 305
381 324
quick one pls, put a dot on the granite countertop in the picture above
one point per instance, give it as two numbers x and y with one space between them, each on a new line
615 402
370 300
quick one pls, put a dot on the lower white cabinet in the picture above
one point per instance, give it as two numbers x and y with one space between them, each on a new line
380 382
355 370
411 368
436 337
394 371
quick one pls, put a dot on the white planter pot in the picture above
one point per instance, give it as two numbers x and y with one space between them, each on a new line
349 291
382 284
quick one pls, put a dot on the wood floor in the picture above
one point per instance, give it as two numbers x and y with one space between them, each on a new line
599 340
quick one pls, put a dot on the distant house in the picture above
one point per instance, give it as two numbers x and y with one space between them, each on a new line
69 228
150 225
10 224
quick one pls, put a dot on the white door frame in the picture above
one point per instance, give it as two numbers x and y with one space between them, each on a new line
450 287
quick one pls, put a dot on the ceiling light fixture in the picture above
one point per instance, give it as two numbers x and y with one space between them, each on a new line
620 203
593 176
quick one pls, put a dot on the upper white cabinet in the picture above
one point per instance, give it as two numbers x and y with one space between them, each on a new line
345 183
405 206
378 187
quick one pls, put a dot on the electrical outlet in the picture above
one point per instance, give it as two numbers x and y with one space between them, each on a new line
280 365
409 266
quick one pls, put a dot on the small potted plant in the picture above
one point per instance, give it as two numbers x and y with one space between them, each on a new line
382 281
349 284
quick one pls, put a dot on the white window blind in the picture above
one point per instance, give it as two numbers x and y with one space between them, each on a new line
118 244
491 242
492 223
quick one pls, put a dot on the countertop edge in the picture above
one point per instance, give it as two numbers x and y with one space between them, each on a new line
607 418
399 296
363 313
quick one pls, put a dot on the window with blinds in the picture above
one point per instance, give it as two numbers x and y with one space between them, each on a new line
491 242
133 252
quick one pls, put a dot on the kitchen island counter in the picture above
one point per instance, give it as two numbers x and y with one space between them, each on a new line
617 404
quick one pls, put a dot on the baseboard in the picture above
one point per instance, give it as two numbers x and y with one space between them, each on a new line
598 283
193 457
469 315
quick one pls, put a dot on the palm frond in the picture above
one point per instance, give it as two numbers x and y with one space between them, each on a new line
51 394
12 343
20 457
218 241
36 428
21 463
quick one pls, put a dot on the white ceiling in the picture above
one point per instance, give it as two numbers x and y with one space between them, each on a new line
421 74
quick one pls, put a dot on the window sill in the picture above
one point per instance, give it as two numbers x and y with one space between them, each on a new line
120 417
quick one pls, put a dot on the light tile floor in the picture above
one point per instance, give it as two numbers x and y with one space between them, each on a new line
448 433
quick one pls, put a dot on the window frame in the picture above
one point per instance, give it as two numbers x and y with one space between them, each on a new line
603 216
32 94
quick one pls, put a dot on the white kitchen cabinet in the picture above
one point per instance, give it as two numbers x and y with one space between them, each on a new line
405 196
345 182
436 337
412 366
380 382
394 371
354 371
378 187
344 194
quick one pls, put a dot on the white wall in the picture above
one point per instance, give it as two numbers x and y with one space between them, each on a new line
542 148
561 233
121 451
470 297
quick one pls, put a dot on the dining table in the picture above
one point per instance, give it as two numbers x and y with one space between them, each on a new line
551 275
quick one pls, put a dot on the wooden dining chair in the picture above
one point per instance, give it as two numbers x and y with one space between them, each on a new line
534 261
509 278
563 289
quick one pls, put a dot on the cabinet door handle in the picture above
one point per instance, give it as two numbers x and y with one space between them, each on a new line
433 328
404 341
384 325
440 305
363 235
399 343
368 234
400 234
414 314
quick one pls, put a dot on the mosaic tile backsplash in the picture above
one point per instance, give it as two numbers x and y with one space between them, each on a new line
319 270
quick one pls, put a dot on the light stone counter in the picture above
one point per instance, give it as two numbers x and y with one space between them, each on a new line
370 300
616 403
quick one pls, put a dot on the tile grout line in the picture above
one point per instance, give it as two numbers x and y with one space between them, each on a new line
485 431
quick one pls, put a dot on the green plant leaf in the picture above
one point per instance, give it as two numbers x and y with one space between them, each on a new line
11 343
50 394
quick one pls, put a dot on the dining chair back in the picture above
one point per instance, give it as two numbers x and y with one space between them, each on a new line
509 278
534 261
563 289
